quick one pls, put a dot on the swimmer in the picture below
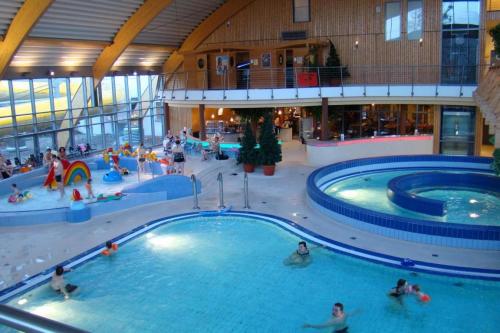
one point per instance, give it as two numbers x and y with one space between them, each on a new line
338 321
57 283
400 289
300 257
16 192
110 248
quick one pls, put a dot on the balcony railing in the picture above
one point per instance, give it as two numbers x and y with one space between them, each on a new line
306 77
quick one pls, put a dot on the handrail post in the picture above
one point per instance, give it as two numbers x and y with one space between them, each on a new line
462 81
412 80
319 81
341 81
204 82
195 192
224 74
221 191
272 83
245 191
186 81
296 82
248 80
173 86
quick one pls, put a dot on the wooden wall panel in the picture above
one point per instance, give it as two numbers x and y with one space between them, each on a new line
342 21
180 118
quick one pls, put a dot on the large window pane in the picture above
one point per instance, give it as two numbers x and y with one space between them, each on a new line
460 14
414 19
352 123
369 121
26 147
121 94
392 20
109 130
459 56
8 148
5 110
301 12
388 119
22 102
45 141
148 132
76 90
80 135
123 131
107 91
60 91
133 90
145 96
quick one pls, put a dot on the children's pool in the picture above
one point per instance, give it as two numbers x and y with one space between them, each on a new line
225 274
41 198
369 190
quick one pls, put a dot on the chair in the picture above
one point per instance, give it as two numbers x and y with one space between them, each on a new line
16 161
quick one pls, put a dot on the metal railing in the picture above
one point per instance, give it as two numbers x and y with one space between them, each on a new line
195 192
221 191
245 191
319 77
28 322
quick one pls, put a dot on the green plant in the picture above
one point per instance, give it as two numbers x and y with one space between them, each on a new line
252 115
496 161
248 153
495 33
270 150
338 71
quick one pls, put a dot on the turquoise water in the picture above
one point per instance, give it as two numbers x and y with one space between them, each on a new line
225 274
370 191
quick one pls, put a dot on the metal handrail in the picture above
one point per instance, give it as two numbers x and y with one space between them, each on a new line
28 322
195 192
221 191
341 76
245 191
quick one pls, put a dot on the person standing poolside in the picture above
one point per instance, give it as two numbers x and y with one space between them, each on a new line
179 157
141 157
338 321
59 173
88 187
62 153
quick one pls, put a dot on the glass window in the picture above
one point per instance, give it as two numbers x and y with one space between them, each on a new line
123 130
89 85
22 97
148 131
45 141
369 121
414 19
26 147
133 91
107 91
424 119
59 89
42 100
76 90
301 11
352 123
8 148
392 20
144 80
121 94
388 119
460 14
5 110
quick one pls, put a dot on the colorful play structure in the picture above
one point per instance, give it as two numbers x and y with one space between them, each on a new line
73 173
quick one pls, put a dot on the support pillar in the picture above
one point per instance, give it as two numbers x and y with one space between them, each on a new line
324 119
166 117
203 134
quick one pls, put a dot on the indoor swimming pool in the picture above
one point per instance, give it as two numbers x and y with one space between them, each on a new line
226 274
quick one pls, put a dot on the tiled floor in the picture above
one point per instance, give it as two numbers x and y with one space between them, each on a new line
28 250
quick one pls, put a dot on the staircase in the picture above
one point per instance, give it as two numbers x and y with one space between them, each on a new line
487 98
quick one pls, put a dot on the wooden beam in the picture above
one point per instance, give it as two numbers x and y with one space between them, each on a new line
82 43
25 19
128 32
205 29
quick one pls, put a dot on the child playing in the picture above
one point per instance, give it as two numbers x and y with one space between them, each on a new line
16 194
88 187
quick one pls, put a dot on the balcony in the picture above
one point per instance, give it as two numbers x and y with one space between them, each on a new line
291 86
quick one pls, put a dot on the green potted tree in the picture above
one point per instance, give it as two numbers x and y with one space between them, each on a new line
270 150
248 155
333 73
495 34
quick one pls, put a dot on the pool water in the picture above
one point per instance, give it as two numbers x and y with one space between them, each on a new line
464 206
225 274
44 199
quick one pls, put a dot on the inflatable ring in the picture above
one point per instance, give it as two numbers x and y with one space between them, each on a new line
425 298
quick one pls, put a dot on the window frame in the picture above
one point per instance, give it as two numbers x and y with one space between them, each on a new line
400 21
308 12
421 23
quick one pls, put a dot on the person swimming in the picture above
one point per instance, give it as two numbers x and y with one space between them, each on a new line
338 321
58 284
300 257
400 288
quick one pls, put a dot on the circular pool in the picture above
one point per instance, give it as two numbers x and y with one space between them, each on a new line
443 200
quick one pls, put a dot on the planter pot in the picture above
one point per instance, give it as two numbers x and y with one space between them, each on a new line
268 169
248 168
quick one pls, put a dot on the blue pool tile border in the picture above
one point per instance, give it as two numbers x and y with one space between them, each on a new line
411 225
379 258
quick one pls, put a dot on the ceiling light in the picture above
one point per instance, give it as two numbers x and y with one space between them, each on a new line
135 73
220 112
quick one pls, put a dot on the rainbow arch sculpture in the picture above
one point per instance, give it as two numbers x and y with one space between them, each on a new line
76 172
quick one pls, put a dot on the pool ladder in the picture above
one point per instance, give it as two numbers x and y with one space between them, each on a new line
220 180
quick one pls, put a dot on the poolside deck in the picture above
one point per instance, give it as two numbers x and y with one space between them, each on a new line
28 250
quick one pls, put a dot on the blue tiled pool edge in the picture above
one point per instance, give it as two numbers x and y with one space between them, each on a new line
332 245
449 234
